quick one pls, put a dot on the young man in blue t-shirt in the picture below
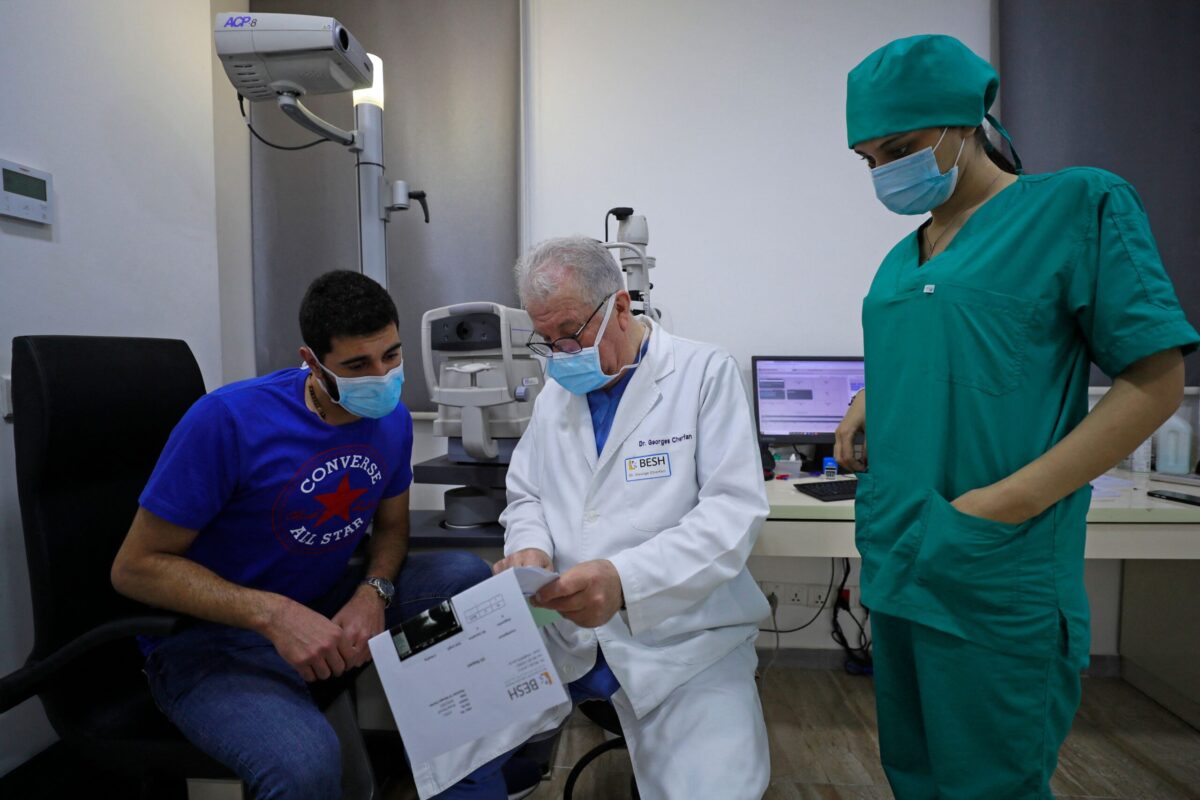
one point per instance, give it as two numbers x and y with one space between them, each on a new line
247 525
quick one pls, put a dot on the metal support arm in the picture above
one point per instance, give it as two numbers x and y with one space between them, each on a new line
290 104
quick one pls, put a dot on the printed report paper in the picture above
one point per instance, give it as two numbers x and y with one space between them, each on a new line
468 667
530 579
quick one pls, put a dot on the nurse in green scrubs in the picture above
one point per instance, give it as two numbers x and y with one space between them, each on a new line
980 328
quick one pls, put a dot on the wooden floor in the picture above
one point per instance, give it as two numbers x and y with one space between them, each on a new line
823 746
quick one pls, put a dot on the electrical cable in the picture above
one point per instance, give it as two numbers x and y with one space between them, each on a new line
777 629
858 659
242 108
774 602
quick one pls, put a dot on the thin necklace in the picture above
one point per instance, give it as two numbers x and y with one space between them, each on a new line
312 393
945 230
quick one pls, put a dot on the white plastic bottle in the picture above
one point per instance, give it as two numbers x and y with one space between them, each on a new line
1173 447
1139 460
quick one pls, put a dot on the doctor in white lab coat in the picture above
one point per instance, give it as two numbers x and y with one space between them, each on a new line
639 481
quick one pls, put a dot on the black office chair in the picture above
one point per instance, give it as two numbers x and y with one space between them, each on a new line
603 714
91 415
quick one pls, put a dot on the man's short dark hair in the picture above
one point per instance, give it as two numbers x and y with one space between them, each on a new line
343 303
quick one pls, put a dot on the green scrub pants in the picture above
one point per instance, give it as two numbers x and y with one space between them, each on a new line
959 721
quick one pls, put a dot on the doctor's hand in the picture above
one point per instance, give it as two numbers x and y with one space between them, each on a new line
588 594
308 641
529 557
851 425
360 619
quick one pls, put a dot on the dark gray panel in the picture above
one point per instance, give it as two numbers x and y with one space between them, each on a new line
1113 84
451 123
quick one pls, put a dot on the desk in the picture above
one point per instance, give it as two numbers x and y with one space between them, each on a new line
1128 525
1159 643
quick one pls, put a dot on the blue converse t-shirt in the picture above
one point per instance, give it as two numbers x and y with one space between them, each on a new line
280 498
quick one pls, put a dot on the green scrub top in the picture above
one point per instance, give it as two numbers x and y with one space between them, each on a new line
977 363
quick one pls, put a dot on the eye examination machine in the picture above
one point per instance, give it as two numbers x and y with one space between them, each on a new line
477 368
485 381
281 58
633 237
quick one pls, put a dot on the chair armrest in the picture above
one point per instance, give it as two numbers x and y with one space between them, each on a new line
19 686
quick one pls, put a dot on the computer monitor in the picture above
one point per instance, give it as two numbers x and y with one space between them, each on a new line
801 399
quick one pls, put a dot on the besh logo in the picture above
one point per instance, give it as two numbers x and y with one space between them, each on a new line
240 22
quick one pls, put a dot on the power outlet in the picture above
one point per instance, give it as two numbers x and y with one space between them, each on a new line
817 595
789 594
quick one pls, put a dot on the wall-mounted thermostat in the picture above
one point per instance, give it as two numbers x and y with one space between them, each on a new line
24 192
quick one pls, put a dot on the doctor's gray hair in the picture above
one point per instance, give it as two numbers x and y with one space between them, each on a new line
576 263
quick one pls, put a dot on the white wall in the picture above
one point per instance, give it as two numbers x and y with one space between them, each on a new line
724 123
115 100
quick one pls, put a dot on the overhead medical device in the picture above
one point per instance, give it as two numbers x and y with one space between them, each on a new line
633 237
281 58
484 380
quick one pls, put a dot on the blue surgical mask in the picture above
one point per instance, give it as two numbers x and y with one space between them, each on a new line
914 184
580 373
373 396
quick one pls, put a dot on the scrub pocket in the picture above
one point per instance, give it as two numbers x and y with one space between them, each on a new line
973 565
980 337
864 504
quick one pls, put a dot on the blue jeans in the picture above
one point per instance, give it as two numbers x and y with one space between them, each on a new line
234 697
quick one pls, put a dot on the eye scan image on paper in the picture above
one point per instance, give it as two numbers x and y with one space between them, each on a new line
468 667
426 629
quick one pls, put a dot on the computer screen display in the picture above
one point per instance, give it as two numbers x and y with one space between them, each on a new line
801 399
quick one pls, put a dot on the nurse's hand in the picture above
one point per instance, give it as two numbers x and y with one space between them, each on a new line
991 503
529 557
852 424
588 594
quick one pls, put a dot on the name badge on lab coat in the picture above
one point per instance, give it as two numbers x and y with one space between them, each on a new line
644 468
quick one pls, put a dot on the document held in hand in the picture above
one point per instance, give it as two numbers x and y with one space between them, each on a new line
468 667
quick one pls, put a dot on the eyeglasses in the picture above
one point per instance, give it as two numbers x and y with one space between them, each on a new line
563 344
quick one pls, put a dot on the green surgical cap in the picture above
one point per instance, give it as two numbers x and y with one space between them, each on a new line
919 82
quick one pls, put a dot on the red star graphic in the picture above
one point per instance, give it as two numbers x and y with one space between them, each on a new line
337 504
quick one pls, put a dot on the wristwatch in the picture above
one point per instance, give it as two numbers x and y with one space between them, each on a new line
384 587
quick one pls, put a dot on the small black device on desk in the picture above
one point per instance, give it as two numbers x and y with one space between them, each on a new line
829 491
1178 497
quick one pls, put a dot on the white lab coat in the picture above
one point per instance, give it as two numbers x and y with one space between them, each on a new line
679 542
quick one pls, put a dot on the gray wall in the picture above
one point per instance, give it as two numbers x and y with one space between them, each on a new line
231 155
1113 84
451 78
